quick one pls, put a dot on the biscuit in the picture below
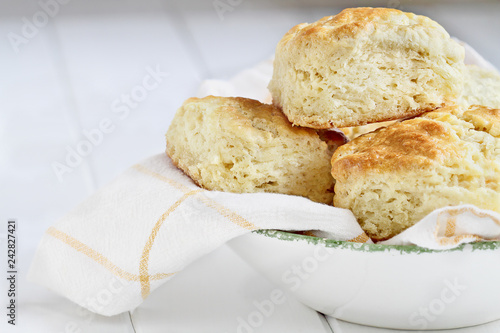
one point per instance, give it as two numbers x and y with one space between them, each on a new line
365 65
395 176
241 145
482 87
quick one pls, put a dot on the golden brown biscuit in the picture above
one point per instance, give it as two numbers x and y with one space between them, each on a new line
365 65
241 145
393 177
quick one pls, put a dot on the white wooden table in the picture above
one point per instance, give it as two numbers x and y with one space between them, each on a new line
63 74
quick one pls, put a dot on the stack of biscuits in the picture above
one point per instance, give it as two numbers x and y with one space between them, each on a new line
373 110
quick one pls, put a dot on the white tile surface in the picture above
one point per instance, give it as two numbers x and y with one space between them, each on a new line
133 45
238 40
63 82
35 126
34 130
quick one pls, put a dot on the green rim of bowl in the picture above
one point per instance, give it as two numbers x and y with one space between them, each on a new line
288 236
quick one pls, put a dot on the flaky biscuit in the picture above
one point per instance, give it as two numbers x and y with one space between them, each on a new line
365 65
393 177
241 145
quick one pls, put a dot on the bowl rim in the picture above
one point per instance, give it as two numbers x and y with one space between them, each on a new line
364 247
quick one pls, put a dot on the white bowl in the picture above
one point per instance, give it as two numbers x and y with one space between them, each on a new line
400 287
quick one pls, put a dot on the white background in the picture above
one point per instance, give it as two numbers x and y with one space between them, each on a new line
64 80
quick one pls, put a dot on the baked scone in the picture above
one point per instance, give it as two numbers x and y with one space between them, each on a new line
365 65
241 145
395 176
482 87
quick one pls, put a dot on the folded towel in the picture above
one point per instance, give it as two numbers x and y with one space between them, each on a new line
134 234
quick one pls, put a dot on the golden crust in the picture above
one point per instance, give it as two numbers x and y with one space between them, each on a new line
347 24
411 144
408 145
245 114
393 177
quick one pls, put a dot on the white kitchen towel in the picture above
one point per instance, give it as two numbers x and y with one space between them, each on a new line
134 234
